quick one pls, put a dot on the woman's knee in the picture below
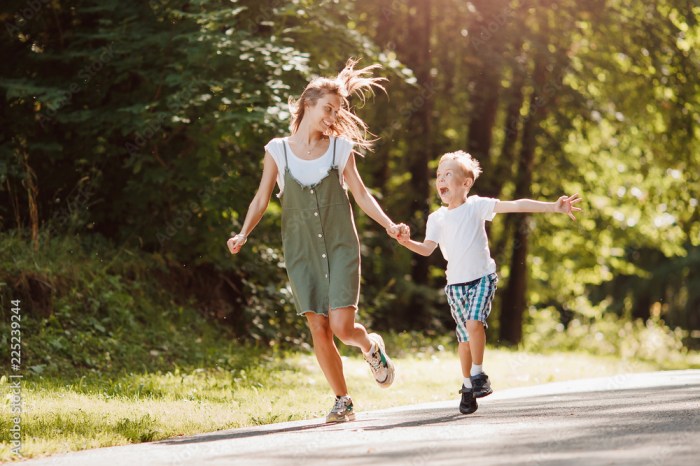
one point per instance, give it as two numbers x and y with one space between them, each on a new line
342 323
345 333
318 325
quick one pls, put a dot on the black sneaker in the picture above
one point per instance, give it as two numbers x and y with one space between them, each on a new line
481 385
468 404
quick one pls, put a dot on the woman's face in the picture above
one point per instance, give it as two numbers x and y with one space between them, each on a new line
323 115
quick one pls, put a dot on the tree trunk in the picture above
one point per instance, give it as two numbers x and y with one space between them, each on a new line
32 198
421 125
514 298
483 116
503 168
14 201
488 51
385 35
643 302
691 315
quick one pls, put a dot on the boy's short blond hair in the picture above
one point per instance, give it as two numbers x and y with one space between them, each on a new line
470 166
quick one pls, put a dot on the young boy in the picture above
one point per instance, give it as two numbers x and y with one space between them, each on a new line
459 230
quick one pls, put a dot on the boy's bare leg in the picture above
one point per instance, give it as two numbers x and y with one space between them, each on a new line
477 340
343 325
468 403
326 352
465 358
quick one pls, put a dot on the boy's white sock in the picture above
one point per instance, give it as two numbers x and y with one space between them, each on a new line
476 370
467 382
372 348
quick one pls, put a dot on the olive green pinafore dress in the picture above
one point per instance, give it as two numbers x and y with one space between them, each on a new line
321 247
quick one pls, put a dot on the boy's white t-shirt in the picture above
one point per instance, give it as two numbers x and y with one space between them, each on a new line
309 172
461 235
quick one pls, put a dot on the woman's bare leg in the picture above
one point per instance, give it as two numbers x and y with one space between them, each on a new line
326 352
343 325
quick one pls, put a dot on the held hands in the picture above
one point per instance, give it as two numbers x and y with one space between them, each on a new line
565 205
393 230
405 235
400 232
235 243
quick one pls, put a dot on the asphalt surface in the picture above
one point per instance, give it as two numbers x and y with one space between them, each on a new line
651 418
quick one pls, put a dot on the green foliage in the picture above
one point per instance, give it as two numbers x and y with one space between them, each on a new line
609 335
620 128
174 101
635 246
139 126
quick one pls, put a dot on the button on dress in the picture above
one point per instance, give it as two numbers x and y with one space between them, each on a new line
320 243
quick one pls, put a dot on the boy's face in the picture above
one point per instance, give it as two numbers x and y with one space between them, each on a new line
451 184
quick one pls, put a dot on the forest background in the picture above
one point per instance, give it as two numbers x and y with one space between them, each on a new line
132 137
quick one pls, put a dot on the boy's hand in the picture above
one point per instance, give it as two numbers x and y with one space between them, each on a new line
396 231
235 243
405 234
565 205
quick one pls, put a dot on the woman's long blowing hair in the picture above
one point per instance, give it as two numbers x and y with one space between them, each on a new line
349 82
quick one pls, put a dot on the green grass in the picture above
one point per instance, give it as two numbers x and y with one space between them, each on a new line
99 411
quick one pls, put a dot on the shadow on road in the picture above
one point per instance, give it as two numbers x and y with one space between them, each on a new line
362 424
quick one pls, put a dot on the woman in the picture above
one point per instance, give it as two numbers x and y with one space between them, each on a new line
312 166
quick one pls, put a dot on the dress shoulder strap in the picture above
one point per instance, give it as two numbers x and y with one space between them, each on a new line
284 148
335 139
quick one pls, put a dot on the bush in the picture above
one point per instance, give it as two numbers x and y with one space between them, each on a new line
608 335
88 305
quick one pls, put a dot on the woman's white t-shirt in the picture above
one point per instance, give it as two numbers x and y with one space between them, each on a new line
461 235
309 172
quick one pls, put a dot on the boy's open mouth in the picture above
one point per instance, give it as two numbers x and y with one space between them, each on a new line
443 191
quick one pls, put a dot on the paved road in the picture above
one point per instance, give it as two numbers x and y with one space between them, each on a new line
651 418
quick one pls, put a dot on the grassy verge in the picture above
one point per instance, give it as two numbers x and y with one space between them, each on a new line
62 415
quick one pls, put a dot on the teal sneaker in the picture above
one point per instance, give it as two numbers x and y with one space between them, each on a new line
380 363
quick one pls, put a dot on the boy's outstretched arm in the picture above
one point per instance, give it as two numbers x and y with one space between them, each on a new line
425 248
564 204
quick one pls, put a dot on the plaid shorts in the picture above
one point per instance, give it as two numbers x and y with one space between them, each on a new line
471 301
